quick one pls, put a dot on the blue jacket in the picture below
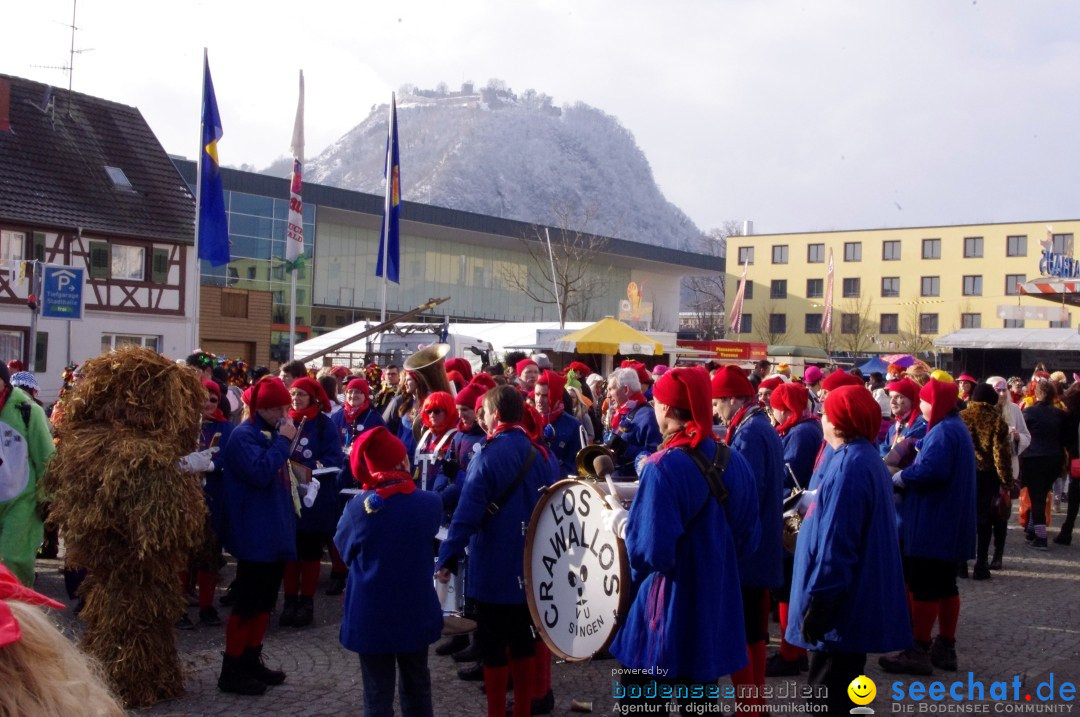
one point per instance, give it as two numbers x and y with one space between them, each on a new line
638 429
390 601
563 437
214 481
462 446
320 442
260 522
686 616
496 542
913 431
937 512
848 558
825 456
801 445
757 442
368 419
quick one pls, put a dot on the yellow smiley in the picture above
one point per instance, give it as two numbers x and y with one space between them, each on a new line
862 690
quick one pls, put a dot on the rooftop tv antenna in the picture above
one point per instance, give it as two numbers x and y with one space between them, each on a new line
69 68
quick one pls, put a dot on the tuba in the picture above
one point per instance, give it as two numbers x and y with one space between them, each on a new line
427 365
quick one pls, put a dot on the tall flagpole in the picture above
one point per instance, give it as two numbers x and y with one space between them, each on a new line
554 279
198 206
386 212
293 253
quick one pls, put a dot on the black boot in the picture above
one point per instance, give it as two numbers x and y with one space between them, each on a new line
255 667
290 612
472 653
453 644
236 679
337 584
305 611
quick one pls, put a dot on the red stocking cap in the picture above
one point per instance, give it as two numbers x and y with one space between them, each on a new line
268 392
312 388
12 589
905 387
688 388
462 366
790 397
523 364
728 382
555 384
375 451
360 385
943 396
839 378
771 383
854 411
480 384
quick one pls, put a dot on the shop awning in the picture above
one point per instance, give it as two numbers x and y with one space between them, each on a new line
1039 339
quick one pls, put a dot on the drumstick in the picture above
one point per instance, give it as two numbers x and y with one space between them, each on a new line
603 467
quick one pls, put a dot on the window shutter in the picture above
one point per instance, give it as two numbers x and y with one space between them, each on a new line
159 269
99 260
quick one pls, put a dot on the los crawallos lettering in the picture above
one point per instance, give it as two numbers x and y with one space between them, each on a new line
589 536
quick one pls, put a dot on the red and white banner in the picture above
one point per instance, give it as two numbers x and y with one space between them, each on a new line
826 319
737 304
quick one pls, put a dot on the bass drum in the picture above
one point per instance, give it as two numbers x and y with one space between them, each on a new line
577 576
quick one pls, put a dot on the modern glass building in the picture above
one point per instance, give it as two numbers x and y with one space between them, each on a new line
482 263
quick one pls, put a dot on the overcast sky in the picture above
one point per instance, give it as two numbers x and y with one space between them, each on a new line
798 115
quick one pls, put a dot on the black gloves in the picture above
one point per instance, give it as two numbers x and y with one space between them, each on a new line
817 620
451 467
617 444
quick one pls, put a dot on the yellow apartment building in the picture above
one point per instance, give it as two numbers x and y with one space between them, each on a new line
894 290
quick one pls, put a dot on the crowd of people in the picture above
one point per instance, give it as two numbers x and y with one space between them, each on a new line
847 506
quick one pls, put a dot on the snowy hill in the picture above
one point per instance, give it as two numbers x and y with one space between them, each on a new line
519 157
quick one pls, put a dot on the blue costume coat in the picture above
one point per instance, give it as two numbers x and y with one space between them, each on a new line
847 556
260 522
641 434
937 512
914 430
390 601
682 548
564 440
757 442
214 481
801 445
368 419
496 542
319 442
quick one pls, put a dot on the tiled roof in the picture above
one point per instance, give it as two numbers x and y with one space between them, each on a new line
52 168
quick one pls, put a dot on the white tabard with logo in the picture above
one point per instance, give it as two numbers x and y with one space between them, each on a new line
576 572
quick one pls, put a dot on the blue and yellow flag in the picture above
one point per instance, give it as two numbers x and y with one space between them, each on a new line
213 226
392 206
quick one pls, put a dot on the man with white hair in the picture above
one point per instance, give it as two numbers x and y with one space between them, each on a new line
633 427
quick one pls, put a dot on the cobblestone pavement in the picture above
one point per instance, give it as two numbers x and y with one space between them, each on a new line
1024 622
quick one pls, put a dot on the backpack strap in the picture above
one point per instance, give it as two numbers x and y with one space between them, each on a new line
713 471
499 502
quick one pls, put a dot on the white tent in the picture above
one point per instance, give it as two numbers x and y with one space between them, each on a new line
1038 339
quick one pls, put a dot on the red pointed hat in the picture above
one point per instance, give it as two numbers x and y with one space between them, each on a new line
523 364
314 389
854 411
839 378
375 451
268 392
555 383
771 383
475 390
462 366
905 387
942 396
790 397
360 385
729 381
687 387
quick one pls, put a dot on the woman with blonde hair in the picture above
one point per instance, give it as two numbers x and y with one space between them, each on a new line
42 672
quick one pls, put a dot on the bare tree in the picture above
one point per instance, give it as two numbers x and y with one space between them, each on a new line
579 274
763 327
912 340
706 291
856 325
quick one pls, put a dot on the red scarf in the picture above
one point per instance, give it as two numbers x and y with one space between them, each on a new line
557 408
388 483
216 417
737 419
688 435
637 399
309 413
352 413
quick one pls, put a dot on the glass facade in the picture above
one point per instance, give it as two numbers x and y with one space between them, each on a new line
257 226
482 281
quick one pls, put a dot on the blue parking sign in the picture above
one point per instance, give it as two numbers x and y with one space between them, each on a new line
62 292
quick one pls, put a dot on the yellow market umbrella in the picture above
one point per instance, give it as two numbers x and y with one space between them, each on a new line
609 336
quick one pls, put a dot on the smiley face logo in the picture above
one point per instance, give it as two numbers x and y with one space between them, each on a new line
862 690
